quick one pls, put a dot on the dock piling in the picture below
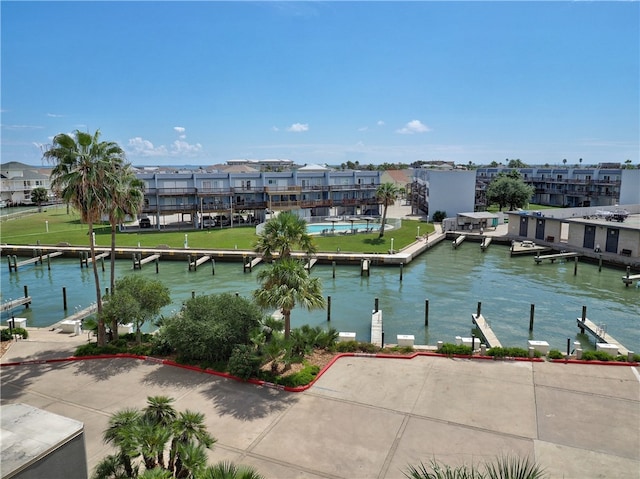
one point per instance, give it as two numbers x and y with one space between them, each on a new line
401 268
64 297
328 308
479 308
375 305
531 315
333 266
575 266
426 312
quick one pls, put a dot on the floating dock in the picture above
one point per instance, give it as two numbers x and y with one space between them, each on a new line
486 241
98 257
193 265
36 259
458 241
552 257
253 262
600 334
490 338
527 247
78 316
138 262
15 303
310 264
630 278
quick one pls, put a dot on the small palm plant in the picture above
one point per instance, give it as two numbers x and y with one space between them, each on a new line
504 467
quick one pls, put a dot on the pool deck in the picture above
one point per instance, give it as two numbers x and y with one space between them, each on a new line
365 417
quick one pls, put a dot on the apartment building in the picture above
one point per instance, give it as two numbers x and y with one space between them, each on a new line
562 186
449 191
19 180
313 190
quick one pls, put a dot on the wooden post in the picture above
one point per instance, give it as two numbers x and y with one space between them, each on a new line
479 308
213 266
426 312
575 265
568 346
328 308
64 298
375 305
157 265
193 294
189 260
9 262
626 283
401 268
49 262
584 313
599 263
531 315
26 295
102 262
333 265
473 343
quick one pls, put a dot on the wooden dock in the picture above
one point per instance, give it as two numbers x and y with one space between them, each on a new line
310 264
138 262
490 338
15 303
35 259
79 315
630 278
251 263
600 334
376 329
98 257
193 265
552 257
458 241
486 241
527 247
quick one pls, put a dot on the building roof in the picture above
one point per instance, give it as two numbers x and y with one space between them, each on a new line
313 167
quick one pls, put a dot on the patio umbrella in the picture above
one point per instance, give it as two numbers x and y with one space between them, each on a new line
352 219
334 220
368 219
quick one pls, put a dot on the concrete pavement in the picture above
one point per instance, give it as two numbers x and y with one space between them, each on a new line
365 417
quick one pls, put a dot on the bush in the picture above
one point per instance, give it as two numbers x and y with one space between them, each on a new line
355 347
455 349
92 349
438 216
596 356
511 353
7 334
555 354
243 362
301 378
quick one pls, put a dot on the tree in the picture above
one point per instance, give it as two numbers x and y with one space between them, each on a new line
564 162
282 234
136 299
127 197
287 283
209 327
507 190
39 195
386 194
82 176
516 164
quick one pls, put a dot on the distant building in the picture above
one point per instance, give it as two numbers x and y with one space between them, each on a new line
19 180
449 191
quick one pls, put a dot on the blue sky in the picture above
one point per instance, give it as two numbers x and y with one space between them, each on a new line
201 83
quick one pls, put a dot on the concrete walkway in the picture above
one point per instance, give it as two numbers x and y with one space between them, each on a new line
365 417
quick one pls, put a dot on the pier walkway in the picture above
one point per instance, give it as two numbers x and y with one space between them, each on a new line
490 338
552 257
15 303
600 334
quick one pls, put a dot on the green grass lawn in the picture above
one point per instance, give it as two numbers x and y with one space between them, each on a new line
67 227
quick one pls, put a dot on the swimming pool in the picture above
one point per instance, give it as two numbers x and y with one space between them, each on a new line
318 228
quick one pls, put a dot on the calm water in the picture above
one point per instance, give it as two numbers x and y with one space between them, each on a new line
453 281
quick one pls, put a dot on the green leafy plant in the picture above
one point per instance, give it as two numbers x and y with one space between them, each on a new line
596 356
555 354
244 363
9 334
455 349
514 352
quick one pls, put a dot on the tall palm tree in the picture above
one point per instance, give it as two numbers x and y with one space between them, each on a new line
160 411
284 233
121 432
127 197
386 194
188 427
82 177
285 284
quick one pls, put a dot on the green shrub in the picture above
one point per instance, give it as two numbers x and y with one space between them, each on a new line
555 354
243 362
92 349
355 347
301 378
7 334
499 352
596 356
160 346
438 216
455 349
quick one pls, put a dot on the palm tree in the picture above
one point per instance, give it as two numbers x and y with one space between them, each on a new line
82 177
286 283
228 470
160 411
386 195
121 432
38 196
282 234
127 197
188 427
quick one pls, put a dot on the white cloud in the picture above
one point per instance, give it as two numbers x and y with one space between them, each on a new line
414 126
363 128
184 148
380 123
54 115
275 128
144 147
179 129
298 127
